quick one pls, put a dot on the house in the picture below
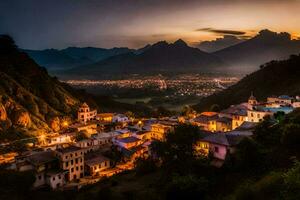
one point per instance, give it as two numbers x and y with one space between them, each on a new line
84 113
55 178
71 159
105 117
283 99
46 168
296 104
223 124
55 139
257 115
238 114
88 128
120 118
128 142
143 135
131 154
159 130
219 144
104 138
206 121
94 164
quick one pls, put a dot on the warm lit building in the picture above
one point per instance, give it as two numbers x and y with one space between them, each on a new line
72 160
257 115
120 118
55 139
206 121
238 114
85 114
159 131
105 117
128 142
219 145
143 135
88 128
223 124
283 99
296 104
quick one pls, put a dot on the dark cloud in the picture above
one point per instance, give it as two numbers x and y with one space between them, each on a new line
219 43
222 31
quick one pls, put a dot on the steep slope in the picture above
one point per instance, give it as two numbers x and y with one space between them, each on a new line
29 97
275 78
160 57
266 46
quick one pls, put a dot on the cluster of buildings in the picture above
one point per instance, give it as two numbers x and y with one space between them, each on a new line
64 159
237 122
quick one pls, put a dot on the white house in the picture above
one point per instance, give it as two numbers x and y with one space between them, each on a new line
120 118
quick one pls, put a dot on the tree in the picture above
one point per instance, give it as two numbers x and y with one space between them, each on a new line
266 133
248 156
188 110
215 108
80 136
177 151
291 181
279 116
187 187
291 137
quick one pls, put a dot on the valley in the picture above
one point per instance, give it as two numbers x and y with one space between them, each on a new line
172 92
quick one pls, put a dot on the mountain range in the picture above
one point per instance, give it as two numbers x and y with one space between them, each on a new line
54 59
158 58
243 56
265 46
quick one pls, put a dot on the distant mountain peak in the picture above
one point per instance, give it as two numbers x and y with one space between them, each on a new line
160 44
180 42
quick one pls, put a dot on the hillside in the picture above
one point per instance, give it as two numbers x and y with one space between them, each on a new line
158 58
275 78
30 99
265 46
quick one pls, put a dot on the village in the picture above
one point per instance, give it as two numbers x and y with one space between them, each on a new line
100 145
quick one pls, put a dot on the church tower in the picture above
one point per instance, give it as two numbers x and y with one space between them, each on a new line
252 101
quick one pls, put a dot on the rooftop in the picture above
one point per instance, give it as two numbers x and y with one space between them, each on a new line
236 110
128 139
285 97
224 119
209 114
223 139
141 132
247 126
41 157
95 160
68 149
205 119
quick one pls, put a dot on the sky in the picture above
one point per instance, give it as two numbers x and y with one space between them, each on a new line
41 24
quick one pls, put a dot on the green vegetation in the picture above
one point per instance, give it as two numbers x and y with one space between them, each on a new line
274 78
